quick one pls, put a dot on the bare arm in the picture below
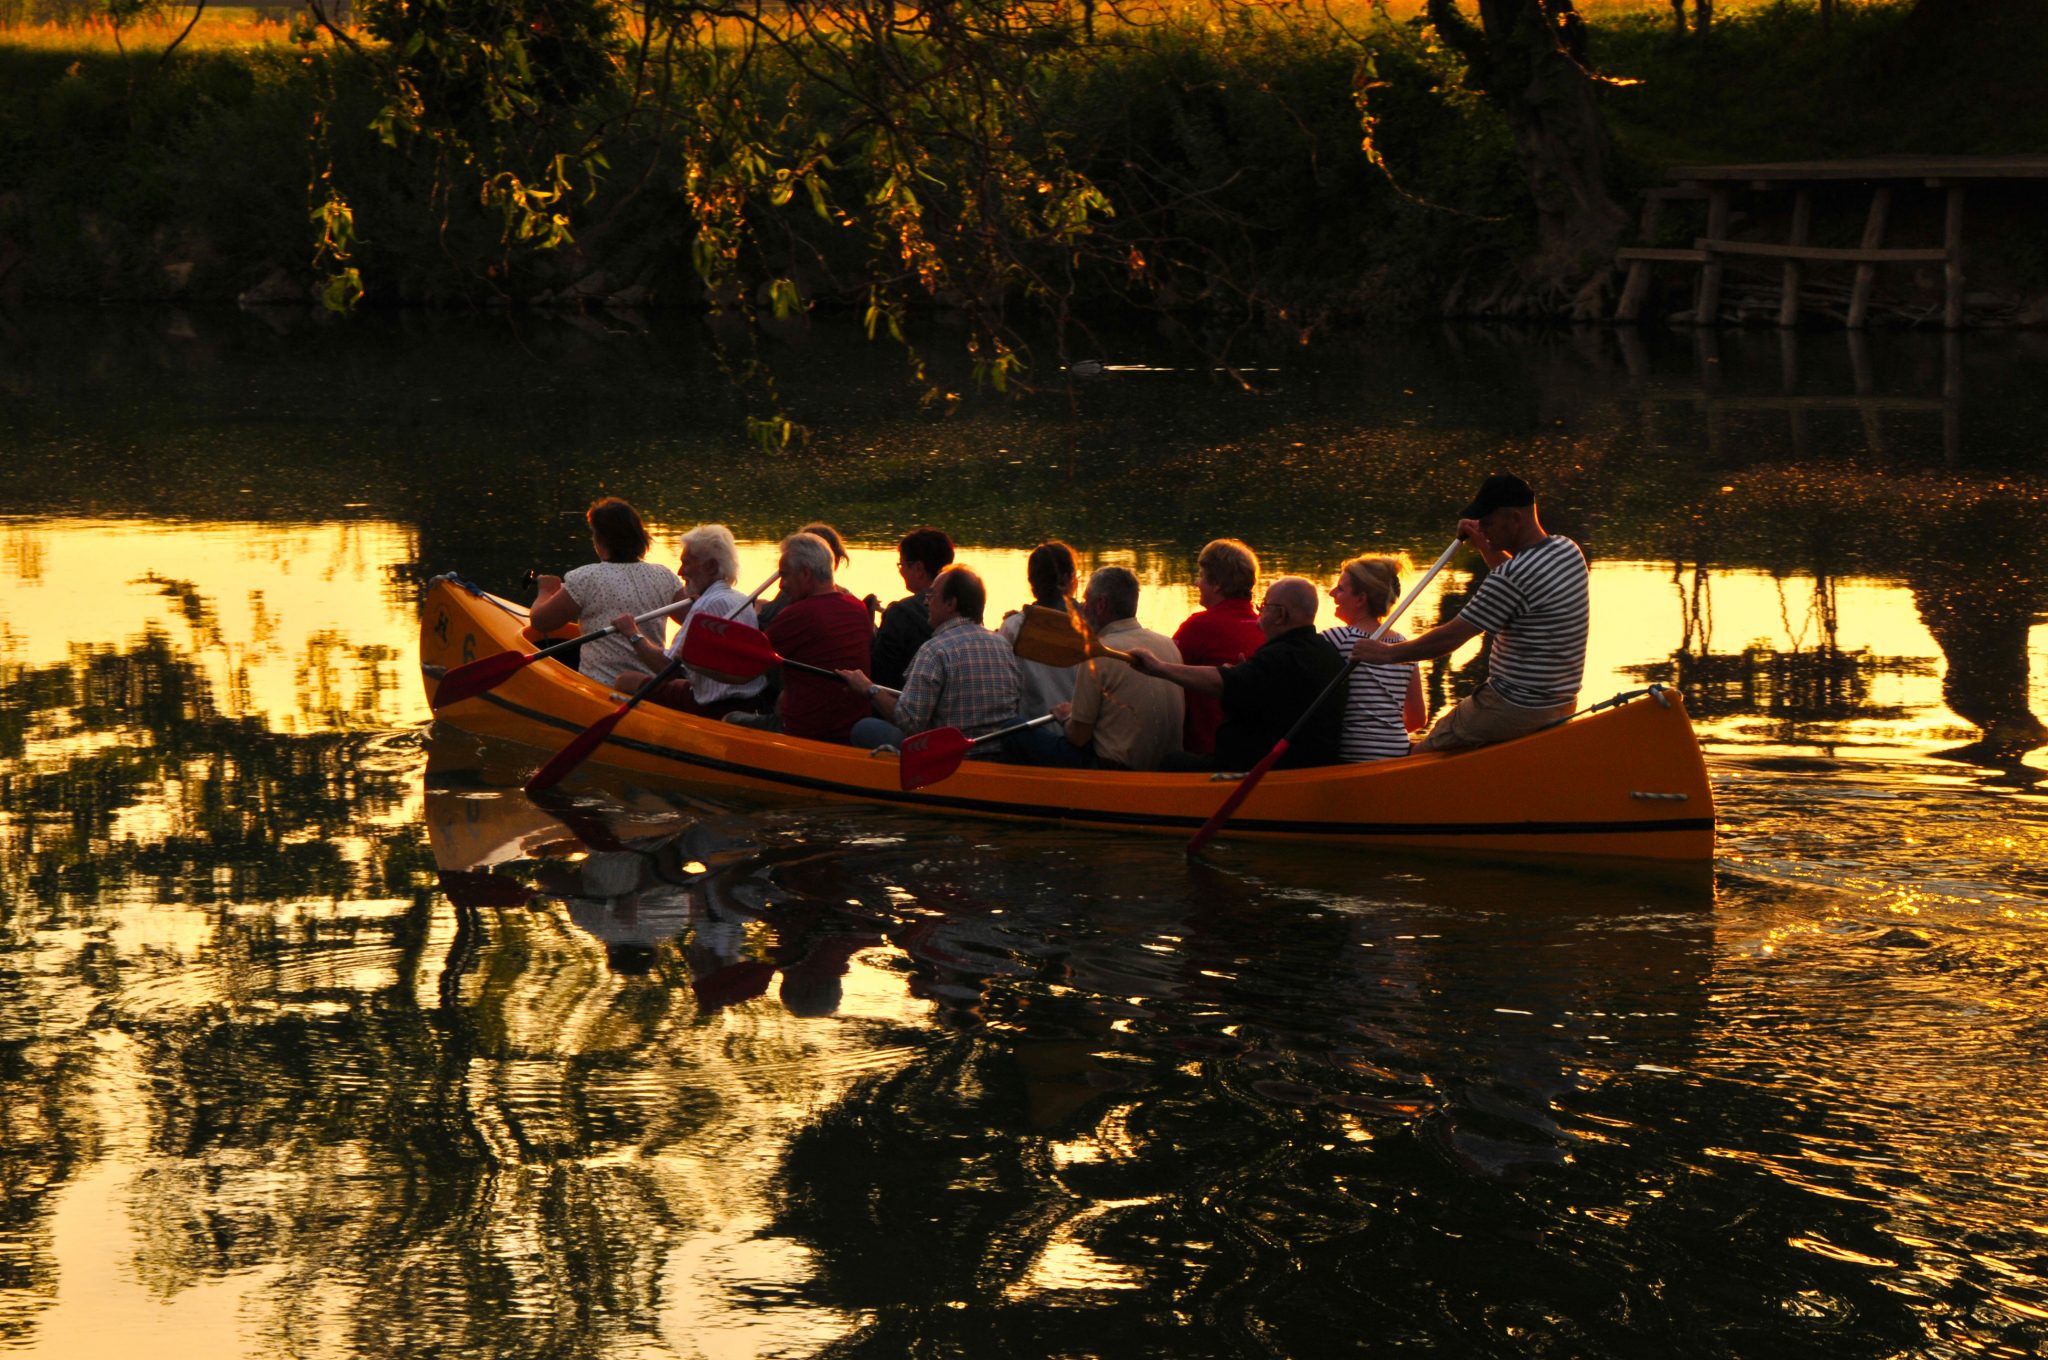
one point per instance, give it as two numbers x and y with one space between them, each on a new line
1468 529
554 607
1206 680
1441 640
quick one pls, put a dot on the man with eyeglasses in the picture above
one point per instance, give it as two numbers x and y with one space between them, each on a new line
906 625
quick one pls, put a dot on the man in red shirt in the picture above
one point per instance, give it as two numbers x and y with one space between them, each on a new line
1223 632
820 625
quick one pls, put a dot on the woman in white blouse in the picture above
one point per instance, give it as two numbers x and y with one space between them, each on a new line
619 582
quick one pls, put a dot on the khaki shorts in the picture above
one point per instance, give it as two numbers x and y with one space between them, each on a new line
1483 718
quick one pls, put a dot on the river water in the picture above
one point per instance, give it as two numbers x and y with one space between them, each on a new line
318 1038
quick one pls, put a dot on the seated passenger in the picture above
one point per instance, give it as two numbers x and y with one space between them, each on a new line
819 625
1223 632
1119 719
618 582
1052 573
840 559
1264 696
965 677
711 563
920 557
1386 701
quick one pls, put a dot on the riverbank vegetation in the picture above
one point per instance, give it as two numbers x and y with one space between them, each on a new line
1248 163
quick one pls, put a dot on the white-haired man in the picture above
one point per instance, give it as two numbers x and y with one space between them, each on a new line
711 563
820 625
1119 719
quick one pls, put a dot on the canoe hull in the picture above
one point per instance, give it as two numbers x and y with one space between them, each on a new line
1626 782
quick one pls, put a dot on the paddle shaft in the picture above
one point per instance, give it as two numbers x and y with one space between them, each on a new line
1272 757
574 754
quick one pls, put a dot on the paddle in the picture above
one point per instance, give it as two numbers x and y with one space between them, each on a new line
931 756
488 672
1272 757
729 650
592 737
1054 637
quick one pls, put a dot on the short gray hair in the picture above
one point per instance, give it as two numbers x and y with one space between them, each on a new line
1116 590
713 542
810 553
1296 594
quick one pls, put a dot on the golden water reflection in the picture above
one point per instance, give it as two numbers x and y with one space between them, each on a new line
306 628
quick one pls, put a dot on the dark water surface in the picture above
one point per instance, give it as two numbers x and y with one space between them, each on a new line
318 1038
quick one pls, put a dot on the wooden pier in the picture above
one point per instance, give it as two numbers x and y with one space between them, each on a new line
1717 186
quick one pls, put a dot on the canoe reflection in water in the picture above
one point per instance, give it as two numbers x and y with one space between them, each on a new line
1468 1002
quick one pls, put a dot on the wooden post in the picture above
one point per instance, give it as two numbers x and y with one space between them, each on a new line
1707 306
1866 385
1952 268
1952 398
1638 285
1788 290
1866 274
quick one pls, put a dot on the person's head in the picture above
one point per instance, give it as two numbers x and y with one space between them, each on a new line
616 531
1051 570
1112 596
921 556
806 561
832 541
1290 604
957 592
1506 510
709 554
1365 588
1226 570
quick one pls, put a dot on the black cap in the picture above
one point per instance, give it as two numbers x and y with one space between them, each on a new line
1500 491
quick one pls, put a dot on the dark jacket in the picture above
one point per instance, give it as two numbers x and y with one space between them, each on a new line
1264 696
905 627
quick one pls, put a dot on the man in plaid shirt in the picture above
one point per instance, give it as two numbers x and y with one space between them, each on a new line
964 677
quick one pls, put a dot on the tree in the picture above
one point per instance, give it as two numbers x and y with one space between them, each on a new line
1528 58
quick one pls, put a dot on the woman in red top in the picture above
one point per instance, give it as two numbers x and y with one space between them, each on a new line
1223 632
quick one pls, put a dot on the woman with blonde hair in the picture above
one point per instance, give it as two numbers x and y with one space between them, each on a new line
1385 702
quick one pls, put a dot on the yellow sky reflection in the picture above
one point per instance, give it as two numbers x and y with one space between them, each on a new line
297 623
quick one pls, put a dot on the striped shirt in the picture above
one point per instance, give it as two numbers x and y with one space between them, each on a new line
1537 607
1375 724
965 677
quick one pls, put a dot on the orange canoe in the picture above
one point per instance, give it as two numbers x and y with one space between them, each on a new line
1627 781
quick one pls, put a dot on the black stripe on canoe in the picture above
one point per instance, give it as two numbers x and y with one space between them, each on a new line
1052 812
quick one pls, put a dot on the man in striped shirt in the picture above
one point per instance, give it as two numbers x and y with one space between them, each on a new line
1535 603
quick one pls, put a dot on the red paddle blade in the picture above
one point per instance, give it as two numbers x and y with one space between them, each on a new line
727 648
484 673
930 756
572 755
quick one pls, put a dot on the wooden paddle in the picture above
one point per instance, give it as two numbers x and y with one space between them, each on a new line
1056 637
592 737
488 672
728 650
1272 758
931 756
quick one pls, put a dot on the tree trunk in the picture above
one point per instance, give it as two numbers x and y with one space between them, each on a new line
1525 57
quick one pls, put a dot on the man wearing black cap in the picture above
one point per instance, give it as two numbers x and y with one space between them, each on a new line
1534 601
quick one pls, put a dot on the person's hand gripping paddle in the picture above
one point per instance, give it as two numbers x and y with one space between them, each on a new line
486 673
1272 757
592 737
